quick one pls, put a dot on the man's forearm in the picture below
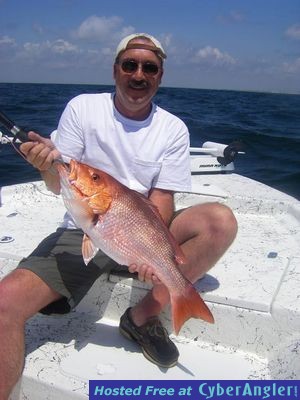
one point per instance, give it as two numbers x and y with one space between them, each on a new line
51 179
164 201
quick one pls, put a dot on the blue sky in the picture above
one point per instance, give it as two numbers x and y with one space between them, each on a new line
212 44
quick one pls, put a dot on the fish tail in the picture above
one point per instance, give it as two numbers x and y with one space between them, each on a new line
188 305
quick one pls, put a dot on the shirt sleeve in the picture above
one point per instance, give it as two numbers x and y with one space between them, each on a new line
68 138
175 172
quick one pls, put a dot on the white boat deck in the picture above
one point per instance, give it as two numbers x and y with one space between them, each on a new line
253 293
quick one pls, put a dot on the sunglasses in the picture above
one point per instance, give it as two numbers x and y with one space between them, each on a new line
131 66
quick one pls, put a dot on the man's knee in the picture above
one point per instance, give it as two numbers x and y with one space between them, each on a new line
23 294
223 221
224 216
213 218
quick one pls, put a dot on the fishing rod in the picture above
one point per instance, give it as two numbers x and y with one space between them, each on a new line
18 133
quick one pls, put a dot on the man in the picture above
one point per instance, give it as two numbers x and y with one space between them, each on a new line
144 147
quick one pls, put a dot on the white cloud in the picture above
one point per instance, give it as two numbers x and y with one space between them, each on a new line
233 17
8 48
32 48
166 39
100 28
37 28
213 56
292 67
293 32
6 41
125 31
57 54
59 46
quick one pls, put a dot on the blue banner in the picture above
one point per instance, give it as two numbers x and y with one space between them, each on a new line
194 390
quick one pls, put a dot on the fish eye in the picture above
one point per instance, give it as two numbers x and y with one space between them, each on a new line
95 177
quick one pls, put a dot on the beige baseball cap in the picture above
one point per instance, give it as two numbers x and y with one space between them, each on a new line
156 47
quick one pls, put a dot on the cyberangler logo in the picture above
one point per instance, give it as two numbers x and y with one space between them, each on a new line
261 390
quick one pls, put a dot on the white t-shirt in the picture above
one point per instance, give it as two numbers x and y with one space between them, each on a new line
153 153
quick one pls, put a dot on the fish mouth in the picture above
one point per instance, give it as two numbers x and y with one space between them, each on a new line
73 167
61 167
73 176
76 187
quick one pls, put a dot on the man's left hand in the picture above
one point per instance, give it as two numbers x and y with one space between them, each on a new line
145 273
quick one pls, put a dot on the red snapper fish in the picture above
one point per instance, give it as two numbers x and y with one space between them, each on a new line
126 226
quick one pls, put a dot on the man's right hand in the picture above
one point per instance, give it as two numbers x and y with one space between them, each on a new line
39 152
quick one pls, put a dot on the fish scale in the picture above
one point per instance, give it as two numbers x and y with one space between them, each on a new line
124 223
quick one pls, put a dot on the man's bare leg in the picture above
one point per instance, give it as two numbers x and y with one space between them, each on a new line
22 294
204 232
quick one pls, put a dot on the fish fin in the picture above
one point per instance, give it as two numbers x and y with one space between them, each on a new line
188 305
79 206
89 250
179 255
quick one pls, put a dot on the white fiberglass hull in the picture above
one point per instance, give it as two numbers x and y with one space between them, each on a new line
252 292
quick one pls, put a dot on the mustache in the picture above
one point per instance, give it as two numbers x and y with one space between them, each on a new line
134 84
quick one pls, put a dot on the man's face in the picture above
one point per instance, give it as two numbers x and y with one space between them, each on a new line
138 75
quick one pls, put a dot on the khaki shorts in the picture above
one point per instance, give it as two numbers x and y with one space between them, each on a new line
58 262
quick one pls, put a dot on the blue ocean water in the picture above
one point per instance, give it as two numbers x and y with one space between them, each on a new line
268 125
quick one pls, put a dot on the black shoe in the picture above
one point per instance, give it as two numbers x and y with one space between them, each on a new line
153 339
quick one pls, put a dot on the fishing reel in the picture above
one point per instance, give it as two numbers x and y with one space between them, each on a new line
225 154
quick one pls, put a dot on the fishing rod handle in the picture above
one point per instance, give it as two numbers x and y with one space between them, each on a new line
14 129
20 134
